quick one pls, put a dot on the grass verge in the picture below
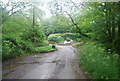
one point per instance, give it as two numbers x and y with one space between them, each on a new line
97 63
44 49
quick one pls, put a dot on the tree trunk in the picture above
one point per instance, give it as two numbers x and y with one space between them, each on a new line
113 21
33 22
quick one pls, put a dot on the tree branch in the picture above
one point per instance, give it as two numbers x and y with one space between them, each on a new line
79 30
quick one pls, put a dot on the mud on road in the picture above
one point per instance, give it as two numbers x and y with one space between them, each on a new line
61 64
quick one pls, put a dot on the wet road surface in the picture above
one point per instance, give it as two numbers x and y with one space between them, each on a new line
61 64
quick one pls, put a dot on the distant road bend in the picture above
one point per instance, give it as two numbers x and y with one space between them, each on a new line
61 64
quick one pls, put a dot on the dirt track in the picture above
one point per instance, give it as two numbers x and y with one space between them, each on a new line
61 64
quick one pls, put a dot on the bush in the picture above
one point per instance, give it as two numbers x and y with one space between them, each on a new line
53 46
26 46
98 63
14 45
38 35
18 35
54 38
69 36
10 50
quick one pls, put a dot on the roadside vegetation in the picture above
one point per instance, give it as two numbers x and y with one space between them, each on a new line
97 62
55 39
44 49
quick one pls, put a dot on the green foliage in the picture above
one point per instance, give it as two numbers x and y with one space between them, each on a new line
68 36
97 63
44 43
18 35
9 49
71 36
44 49
35 34
55 38
100 21
56 24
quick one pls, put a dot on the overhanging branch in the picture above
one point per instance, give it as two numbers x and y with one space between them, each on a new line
79 30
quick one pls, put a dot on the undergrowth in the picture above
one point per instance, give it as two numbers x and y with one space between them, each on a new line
13 48
98 63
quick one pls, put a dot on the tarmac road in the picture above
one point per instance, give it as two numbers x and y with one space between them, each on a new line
61 64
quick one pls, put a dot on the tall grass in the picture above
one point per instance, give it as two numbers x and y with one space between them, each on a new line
97 63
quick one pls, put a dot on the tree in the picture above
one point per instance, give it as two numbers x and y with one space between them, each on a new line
57 24
17 28
100 20
64 8
12 7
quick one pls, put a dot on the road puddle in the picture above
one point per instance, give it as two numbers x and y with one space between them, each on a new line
13 65
38 57
55 61
8 73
